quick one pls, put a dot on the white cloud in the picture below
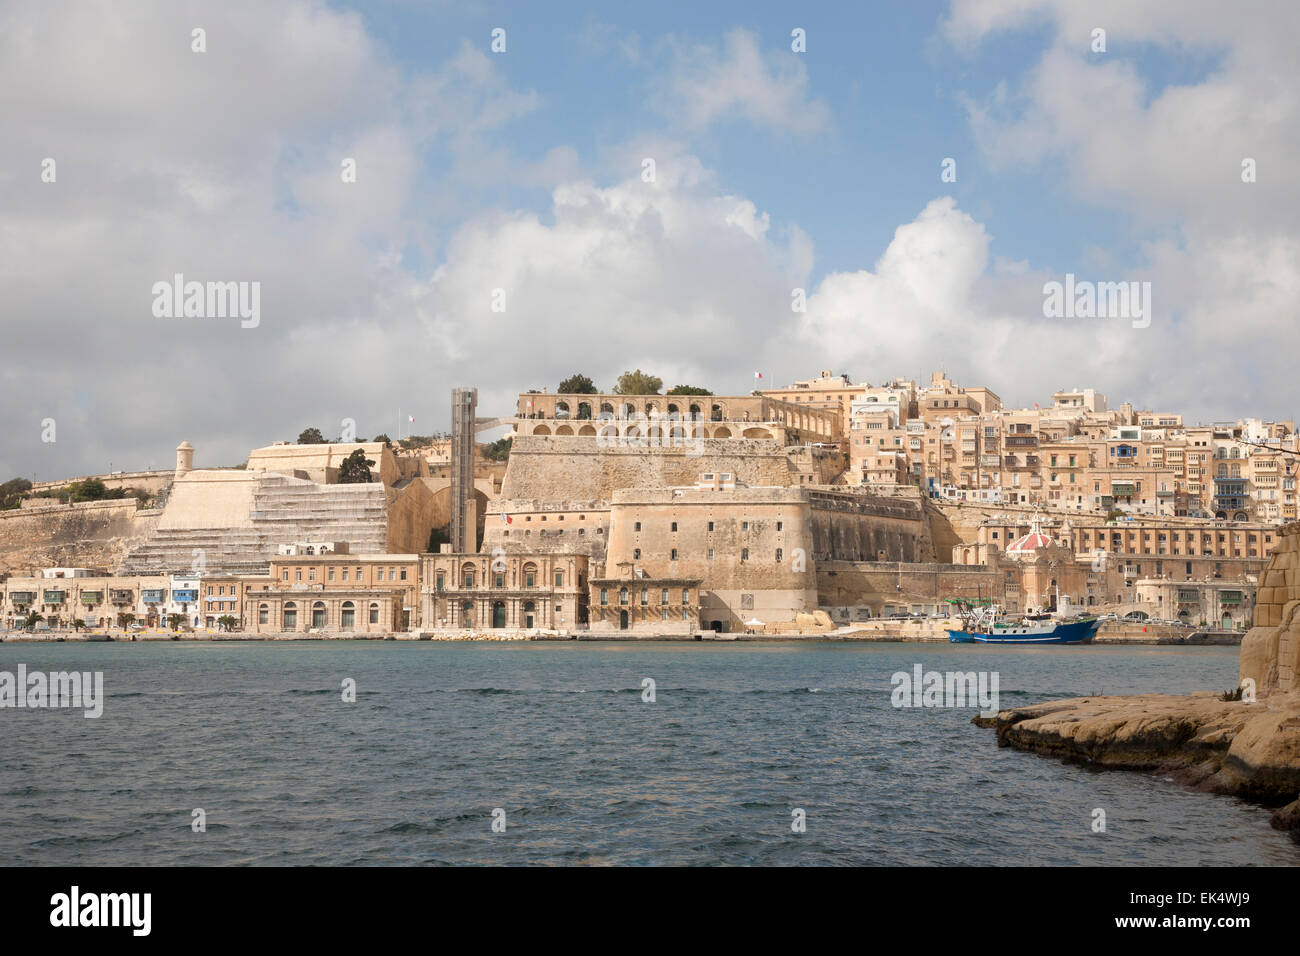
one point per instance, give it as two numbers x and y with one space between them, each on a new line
707 85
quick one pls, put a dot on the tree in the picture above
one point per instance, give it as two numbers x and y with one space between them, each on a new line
638 383
125 620
687 390
355 468
227 622
577 384
32 619
174 621
78 624
13 491
311 436
499 450
383 438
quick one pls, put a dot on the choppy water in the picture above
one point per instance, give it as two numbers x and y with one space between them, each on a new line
558 736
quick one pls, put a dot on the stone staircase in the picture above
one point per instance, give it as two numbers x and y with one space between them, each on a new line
284 510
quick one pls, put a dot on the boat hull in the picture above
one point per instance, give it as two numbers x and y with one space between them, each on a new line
1073 632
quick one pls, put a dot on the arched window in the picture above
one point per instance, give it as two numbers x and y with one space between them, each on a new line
561 409
622 596
716 414
290 616
467 574
263 613
318 614
584 410
348 618
606 410
530 575
695 410
374 612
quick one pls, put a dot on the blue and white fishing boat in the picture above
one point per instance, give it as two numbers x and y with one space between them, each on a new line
984 623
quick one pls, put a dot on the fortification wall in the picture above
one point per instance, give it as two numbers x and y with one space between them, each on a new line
561 468
93 534
876 584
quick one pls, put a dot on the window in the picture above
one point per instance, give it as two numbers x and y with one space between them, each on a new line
297 575
672 555
559 579
290 616
710 525
779 525
500 580
262 614
744 554
374 613
686 595
778 554
709 556
345 574
403 574
311 574
744 526
622 596
636 552
645 596
604 596
331 574
380 574
674 526
284 575
638 526
663 596
529 580
469 579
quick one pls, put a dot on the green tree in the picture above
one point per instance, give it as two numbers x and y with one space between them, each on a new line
499 450
687 390
125 620
577 384
355 468
174 621
311 436
383 438
13 491
32 619
78 624
227 622
638 383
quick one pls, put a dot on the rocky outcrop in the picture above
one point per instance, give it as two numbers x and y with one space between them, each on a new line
1248 747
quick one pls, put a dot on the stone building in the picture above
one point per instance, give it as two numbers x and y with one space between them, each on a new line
750 548
272 610
526 591
636 603
387 576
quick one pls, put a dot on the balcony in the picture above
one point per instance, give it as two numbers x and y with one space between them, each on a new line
1021 441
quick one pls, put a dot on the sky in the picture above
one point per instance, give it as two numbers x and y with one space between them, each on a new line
701 191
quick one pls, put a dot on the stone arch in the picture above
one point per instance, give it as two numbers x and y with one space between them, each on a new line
606 410
561 409
586 430
756 433
718 412
541 430
584 410
722 431
564 430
